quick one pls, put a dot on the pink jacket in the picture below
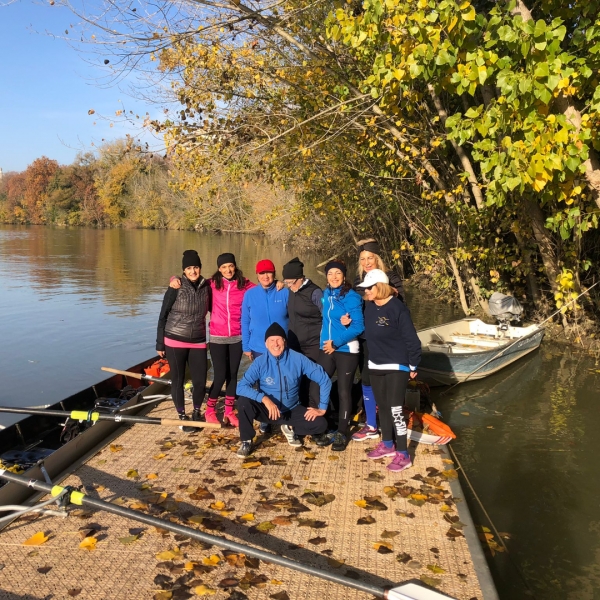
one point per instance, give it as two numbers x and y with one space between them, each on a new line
226 315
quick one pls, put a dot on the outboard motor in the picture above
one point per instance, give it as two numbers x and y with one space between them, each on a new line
505 309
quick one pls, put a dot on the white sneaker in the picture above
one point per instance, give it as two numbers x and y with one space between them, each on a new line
290 436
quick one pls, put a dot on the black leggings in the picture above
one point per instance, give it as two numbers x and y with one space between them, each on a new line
389 388
345 364
196 358
224 356
363 363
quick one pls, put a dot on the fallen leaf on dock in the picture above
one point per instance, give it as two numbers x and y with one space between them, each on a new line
312 523
317 540
169 554
281 521
266 526
164 595
371 503
228 582
388 535
89 544
116 447
247 517
159 456
213 560
368 520
204 590
129 539
74 592
335 563
44 570
403 557
432 581
449 474
132 473
282 595
36 539
152 476
383 547
436 569
252 465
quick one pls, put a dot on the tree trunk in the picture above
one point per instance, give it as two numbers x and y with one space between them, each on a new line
465 161
544 242
479 297
459 285
532 284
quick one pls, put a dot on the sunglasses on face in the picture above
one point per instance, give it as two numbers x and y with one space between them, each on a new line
369 287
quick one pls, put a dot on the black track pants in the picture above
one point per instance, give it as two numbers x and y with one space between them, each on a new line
311 352
389 388
223 356
345 364
363 363
250 411
196 358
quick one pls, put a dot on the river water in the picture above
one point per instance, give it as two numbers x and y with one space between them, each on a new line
77 299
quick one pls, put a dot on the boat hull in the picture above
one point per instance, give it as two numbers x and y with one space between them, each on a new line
440 368
28 431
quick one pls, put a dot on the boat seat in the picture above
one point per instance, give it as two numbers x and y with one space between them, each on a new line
476 341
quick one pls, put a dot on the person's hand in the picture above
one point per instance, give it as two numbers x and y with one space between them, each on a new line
274 413
346 320
413 374
328 347
279 286
312 413
248 354
175 283
161 353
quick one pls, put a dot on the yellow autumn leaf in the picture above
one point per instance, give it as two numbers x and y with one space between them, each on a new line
189 566
204 590
151 476
276 582
138 505
132 473
169 554
196 519
251 465
218 505
278 484
247 517
211 561
361 503
418 496
159 456
88 543
116 447
37 539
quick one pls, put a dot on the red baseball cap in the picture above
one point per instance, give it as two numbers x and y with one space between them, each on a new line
262 266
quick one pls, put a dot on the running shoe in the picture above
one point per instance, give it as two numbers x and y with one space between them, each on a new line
400 462
184 428
244 450
339 442
366 433
324 439
381 451
265 428
290 436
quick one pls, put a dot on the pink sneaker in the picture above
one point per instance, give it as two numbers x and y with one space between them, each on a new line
399 462
210 415
230 413
366 433
381 451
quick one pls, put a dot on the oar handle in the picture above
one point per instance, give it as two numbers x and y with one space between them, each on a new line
199 424
126 373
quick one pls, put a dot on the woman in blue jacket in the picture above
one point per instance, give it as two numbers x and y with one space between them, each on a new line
339 345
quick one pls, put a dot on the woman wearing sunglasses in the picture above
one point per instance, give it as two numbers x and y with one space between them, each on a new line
394 355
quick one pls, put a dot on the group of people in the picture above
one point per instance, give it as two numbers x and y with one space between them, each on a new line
297 337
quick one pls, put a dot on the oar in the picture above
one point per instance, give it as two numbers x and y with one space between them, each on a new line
83 415
407 591
141 376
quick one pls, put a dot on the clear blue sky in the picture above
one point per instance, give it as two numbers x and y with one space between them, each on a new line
47 88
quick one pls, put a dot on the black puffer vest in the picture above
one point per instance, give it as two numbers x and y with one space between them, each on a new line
305 318
187 317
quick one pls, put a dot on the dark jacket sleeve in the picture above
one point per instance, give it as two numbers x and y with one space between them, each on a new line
397 283
168 301
409 336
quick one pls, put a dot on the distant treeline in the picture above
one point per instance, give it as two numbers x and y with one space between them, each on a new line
122 186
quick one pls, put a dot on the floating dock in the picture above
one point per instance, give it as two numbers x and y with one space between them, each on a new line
339 512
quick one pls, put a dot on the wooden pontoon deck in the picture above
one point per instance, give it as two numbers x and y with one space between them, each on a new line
424 542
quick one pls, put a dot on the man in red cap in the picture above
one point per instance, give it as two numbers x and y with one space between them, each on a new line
263 305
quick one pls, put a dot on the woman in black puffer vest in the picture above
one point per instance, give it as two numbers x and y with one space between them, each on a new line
181 333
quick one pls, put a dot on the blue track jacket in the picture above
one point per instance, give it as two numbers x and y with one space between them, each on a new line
335 306
279 379
261 308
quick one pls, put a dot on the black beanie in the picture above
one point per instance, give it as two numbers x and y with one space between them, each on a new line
372 246
275 329
293 269
190 259
336 264
225 258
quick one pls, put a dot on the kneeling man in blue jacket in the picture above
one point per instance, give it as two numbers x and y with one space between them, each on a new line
268 392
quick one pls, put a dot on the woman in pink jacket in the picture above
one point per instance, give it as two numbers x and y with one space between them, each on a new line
228 286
